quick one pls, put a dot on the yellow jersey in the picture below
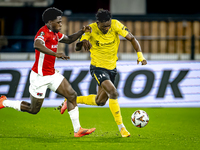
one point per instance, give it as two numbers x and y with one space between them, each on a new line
105 46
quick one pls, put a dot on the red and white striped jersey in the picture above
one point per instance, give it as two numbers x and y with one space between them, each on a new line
44 63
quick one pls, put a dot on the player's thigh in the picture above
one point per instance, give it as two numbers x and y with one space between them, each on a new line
66 90
38 85
60 85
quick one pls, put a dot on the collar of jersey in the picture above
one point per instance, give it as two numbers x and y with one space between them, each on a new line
48 28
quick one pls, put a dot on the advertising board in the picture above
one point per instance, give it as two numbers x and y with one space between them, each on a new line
158 84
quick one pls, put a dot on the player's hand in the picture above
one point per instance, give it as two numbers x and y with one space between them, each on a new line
87 29
62 56
87 45
144 62
141 58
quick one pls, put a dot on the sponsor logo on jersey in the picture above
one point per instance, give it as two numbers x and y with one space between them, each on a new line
104 44
54 46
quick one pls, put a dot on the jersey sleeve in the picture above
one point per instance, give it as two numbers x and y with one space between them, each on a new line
120 28
41 35
60 36
85 36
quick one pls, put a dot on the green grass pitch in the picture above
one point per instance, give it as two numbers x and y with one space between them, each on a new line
168 128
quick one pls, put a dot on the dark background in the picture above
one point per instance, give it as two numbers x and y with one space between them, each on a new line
27 20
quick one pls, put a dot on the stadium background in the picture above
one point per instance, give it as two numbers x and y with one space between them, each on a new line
169 34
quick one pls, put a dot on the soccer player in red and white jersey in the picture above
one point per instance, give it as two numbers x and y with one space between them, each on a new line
43 74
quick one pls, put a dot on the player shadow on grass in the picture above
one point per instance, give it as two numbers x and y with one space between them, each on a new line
93 138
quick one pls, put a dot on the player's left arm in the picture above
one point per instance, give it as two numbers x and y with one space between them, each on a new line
71 38
137 47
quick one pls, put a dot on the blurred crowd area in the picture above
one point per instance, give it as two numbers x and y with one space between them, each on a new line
162 27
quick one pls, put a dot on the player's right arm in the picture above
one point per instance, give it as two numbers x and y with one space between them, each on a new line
123 31
39 45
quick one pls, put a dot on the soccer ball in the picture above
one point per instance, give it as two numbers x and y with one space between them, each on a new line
140 118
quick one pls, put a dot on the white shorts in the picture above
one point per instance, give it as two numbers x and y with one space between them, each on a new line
39 84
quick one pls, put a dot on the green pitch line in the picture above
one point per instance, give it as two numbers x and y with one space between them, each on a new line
168 128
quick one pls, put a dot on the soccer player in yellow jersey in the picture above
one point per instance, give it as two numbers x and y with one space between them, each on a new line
103 43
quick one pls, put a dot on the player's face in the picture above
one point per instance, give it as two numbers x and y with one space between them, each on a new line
104 26
56 24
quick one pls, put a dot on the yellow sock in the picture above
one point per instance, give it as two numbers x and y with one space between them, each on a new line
115 109
88 100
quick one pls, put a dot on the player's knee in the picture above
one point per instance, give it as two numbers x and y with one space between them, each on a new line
34 111
72 96
113 94
101 102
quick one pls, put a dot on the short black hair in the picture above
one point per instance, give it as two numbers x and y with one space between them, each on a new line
51 14
103 15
